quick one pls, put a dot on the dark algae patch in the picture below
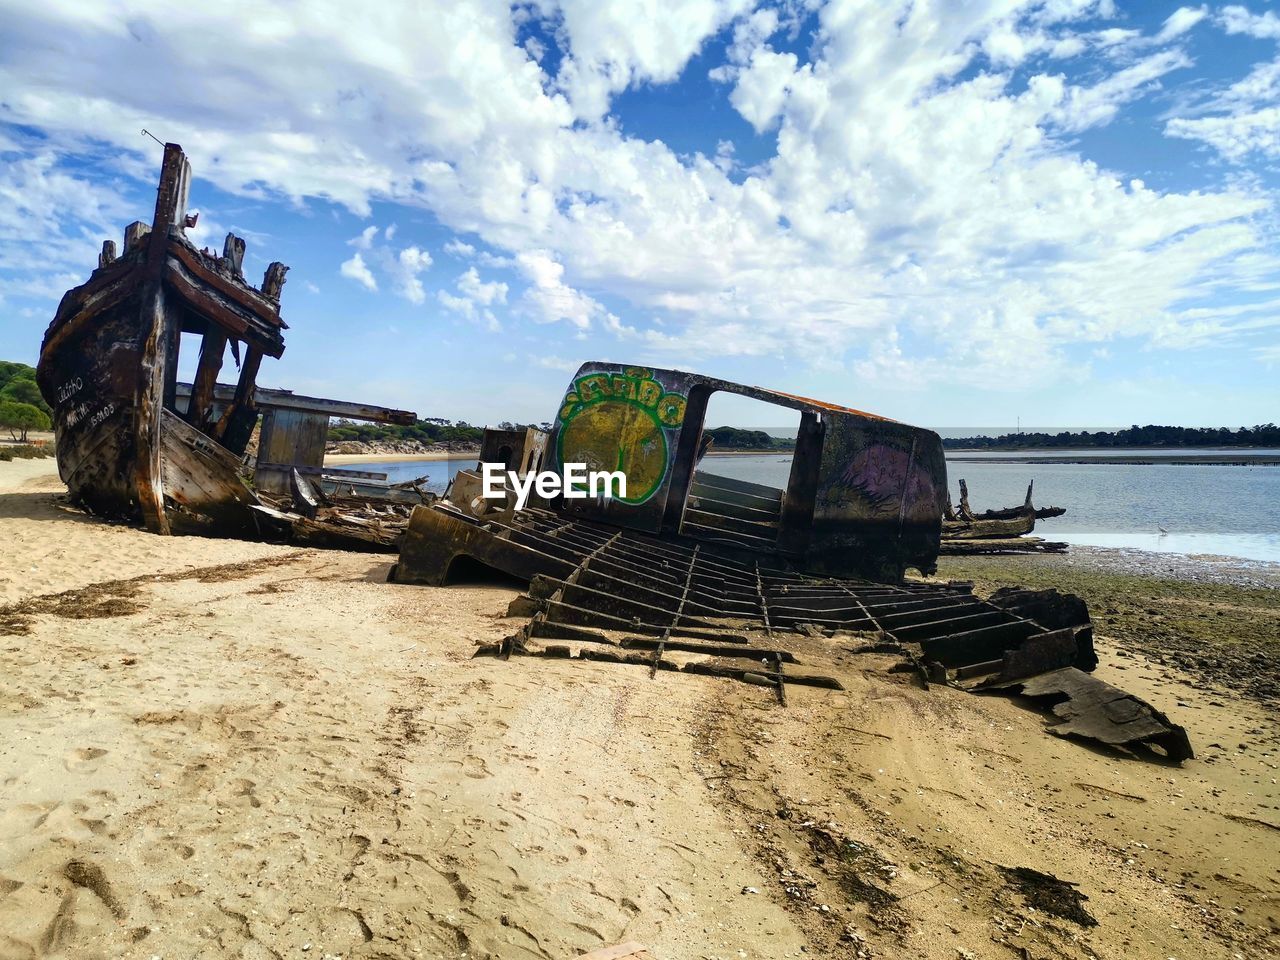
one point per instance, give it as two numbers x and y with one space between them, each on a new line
852 863
1048 894
120 598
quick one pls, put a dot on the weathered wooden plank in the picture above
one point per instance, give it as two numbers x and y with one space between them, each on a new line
243 296
237 320
67 324
293 437
266 398
201 483
148 478
1091 708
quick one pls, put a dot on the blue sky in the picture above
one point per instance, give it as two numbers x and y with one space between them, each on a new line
953 214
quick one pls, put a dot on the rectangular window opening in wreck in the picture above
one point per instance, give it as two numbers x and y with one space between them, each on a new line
742 502
188 357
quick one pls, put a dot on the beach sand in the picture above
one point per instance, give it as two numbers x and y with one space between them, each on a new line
220 749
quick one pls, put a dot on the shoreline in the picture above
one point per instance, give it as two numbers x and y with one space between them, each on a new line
341 459
952 456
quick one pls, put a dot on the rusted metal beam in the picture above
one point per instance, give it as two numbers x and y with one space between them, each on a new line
675 620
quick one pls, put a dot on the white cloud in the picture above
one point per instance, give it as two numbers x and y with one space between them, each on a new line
921 210
405 269
475 298
762 89
1096 105
1180 21
52 224
1242 120
554 362
615 45
1234 135
365 240
481 292
1237 19
356 269
401 268
550 298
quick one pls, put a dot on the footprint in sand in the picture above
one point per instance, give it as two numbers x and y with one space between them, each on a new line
25 817
244 788
83 759
89 876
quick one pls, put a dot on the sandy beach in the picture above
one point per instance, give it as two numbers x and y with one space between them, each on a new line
217 749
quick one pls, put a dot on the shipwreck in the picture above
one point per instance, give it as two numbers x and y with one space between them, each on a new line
135 444
698 573
996 531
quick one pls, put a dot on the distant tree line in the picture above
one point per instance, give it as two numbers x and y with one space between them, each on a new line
22 409
1264 435
736 438
430 430
437 430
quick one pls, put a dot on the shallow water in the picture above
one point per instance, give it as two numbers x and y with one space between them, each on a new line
1231 511
1153 453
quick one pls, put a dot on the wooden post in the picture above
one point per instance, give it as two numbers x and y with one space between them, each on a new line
212 349
233 254
248 377
235 425
171 202
273 280
108 254
134 235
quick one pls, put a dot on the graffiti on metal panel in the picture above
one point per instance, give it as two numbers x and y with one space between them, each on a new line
883 476
619 421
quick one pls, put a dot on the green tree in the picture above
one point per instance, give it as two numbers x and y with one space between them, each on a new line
9 369
19 418
23 389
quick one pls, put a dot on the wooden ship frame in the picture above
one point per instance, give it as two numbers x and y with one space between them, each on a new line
132 442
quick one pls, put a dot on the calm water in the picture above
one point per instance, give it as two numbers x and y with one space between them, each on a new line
1153 453
1227 510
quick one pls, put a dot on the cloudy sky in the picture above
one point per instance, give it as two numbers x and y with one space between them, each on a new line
952 213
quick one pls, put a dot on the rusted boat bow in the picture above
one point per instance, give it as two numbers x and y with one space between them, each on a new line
134 444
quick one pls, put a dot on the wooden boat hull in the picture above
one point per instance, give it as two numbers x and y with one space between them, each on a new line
989 529
108 366
89 376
